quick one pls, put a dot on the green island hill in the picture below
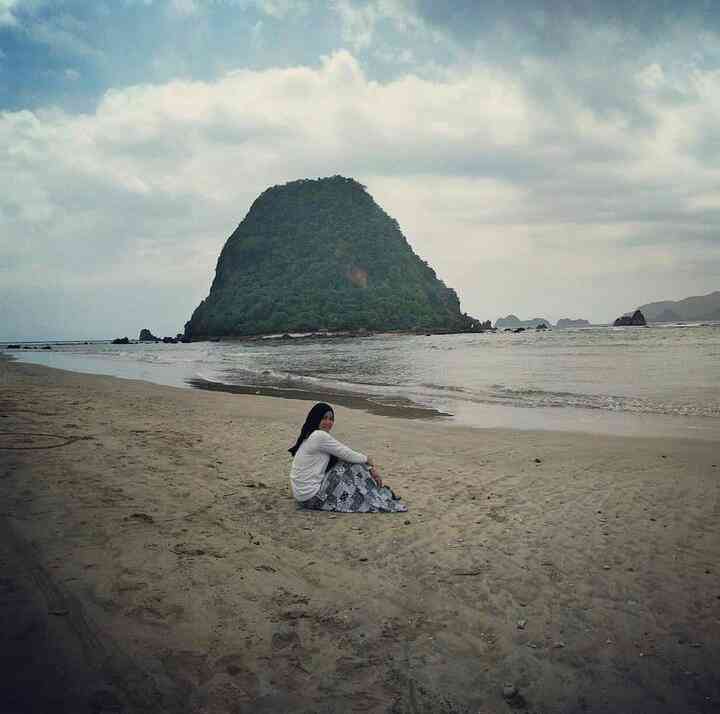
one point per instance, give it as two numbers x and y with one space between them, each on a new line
320 254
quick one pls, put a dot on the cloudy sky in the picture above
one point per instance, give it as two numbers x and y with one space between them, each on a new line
555 159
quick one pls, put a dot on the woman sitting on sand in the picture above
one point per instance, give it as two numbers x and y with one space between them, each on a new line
326 475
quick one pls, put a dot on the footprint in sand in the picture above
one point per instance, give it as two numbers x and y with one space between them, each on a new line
285 637
235 666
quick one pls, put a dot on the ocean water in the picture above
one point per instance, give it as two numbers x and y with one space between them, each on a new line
659 380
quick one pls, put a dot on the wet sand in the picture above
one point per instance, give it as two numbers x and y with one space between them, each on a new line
153 560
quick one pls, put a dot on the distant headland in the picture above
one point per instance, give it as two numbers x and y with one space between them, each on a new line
567 322
693 309
512 322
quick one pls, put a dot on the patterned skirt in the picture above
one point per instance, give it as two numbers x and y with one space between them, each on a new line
349 488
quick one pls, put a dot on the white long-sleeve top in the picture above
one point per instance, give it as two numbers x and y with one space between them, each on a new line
311 460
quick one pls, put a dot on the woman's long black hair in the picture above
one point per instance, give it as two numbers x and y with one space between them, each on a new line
312 422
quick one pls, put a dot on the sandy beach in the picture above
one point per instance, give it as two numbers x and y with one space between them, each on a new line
153 560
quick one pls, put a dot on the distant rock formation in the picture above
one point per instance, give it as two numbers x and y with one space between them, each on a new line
121 341
147 336
692 309
512 322
505 323
637 319
567 322
322 255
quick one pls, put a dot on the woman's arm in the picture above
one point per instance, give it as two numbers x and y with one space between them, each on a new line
322 441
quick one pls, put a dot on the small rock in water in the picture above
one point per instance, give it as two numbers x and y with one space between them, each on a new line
538 461
521 624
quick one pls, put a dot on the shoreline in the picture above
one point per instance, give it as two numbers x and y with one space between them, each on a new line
580 568
4 342
476 415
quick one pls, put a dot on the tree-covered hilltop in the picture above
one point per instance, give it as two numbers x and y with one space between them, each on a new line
321 254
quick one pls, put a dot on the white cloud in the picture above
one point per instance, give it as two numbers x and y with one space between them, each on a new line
360 20
652 76
184 7
256 34
278 9
488 184
281 8
7 16
358 23
65 35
